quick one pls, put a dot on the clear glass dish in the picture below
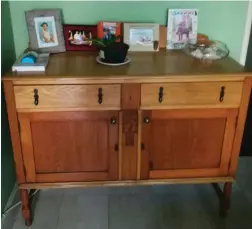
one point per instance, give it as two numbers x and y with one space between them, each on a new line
214 50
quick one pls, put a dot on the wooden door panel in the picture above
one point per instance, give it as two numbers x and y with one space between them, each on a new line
70 146
187 143
184 143
74 146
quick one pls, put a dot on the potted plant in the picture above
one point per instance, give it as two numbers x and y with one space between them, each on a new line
112 50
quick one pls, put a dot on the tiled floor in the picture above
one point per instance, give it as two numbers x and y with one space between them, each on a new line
151 207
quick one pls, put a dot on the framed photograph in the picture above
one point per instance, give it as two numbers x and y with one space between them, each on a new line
45 31
141 36
77 37
107 29
182 27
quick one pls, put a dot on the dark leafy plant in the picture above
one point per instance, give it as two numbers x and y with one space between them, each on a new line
104 43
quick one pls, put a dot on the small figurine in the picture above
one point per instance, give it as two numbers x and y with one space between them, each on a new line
76 35
71 36
83 36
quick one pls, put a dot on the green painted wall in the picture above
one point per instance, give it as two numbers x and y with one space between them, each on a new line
223 21
8 57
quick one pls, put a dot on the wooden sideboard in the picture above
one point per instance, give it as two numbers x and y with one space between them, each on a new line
164 118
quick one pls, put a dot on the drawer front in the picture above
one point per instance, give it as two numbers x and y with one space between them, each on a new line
68 96
176 95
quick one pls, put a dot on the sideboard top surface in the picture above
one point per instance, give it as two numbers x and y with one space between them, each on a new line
144 67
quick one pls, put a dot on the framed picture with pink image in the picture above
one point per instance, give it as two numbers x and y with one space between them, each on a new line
182 27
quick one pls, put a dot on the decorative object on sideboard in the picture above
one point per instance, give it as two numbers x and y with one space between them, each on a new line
211 50
79 37
142 36
100 61
182 27
107 29
111 51
45 30
31 62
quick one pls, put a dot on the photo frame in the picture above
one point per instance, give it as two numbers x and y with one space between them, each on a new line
76 37
45 31
142 36
105 29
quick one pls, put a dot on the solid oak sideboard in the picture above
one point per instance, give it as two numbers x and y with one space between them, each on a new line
164 118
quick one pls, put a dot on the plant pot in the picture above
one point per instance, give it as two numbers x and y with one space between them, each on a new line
115 52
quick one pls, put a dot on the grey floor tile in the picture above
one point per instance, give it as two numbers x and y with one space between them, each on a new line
141 207
84 211
46 208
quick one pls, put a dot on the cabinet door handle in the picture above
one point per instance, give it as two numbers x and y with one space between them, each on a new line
116 147
146 120
113 120
160 94
36 97
222 93
100 95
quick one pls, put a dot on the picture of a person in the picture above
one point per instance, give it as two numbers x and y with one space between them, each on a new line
46 36
106 34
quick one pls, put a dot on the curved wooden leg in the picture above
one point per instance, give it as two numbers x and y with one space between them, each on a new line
225 199
26 211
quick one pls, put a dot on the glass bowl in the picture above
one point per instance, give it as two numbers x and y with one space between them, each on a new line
212 50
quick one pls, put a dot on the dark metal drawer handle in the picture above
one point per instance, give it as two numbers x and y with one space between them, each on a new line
160 94
222 93
100 95
36 97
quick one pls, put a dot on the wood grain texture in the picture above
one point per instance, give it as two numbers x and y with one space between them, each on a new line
162 66
162 36
130 96
185 173
126 183
120 152
146 139
191 94
14 130
26 210
67 96
25 110
231 77
73 177
228 140
247 87
139 145
186 142
27 147
63 144
129 145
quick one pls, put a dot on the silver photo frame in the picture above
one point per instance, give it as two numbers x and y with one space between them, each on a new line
45 30
142 36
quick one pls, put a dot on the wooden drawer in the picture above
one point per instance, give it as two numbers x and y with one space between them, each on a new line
68 96
186 95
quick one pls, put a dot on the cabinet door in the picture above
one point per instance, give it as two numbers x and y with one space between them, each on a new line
69 146
187 143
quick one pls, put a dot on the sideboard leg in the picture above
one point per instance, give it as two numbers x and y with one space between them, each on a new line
26 211
225 200
224 197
